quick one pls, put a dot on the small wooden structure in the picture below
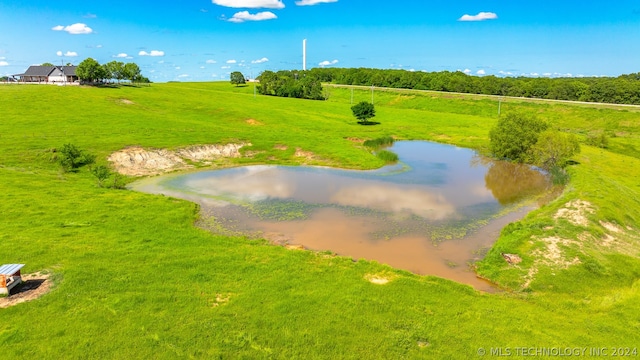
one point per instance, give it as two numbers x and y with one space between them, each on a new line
9 277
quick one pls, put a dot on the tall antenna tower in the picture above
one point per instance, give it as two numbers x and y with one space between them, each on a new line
304 54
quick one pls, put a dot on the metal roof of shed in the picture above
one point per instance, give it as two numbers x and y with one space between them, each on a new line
10 269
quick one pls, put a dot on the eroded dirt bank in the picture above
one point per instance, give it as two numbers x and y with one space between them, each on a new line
137 161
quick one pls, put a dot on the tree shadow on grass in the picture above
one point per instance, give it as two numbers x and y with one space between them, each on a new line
367 123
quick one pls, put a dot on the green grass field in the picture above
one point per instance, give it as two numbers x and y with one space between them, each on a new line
135 278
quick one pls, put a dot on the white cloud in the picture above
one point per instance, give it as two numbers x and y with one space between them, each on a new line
211 61
479 17
91 16
178 67
152 53
202 67
327 63
467 71
243 16
260 61
183 75
225 67
121 55
4 63
481 72
313 2
250 4
98 46
231 61
75 29
68 53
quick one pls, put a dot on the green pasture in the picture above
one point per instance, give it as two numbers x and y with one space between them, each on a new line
135 278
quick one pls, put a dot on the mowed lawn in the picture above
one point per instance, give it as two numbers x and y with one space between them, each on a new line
134 278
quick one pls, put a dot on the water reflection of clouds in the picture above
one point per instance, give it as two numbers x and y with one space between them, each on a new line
252 183
419 202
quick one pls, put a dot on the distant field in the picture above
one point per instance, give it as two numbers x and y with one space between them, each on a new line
135 278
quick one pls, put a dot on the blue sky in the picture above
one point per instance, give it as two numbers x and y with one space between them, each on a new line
204 40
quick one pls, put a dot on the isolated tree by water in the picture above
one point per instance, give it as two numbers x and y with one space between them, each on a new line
237 78
363 111
514 135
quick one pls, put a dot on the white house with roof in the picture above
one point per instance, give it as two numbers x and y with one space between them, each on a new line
49 74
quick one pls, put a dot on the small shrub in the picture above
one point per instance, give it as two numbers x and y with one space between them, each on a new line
101 173
119 182
600 140
387 156
71 158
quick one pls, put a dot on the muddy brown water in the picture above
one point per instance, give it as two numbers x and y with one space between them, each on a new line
434 213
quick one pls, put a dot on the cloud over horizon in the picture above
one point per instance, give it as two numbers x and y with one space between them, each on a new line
313 2
4 63
243 16
260 61
250 4
328 63
68 53
481 16
152 53
74 29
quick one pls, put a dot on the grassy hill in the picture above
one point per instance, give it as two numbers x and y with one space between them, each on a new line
135 278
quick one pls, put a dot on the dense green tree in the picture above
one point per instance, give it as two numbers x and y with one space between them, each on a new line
131 72
298 84
89 70
363 111
554 149
514 135
237 78
115 70
47 64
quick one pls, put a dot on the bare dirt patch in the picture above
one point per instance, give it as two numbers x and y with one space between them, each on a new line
307 155
136 161
355 140
125 101
253 122
378 279
554 255
512 259
611 227
280 147
576 212
33 286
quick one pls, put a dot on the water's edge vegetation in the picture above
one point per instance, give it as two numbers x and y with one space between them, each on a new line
133 276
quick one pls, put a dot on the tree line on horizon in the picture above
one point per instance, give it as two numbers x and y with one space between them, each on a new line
91 71
624 89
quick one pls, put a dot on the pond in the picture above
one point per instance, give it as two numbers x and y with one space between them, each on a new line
434 212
